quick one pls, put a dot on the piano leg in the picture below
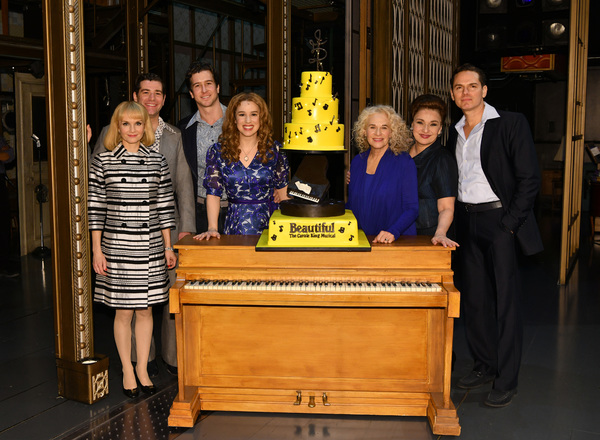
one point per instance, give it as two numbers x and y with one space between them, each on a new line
443 419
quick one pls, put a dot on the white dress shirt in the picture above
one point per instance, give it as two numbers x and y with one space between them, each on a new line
473 186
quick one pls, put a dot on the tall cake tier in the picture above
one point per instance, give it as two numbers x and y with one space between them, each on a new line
314 125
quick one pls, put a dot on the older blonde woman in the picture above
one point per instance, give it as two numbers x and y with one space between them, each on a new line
383 190
131 210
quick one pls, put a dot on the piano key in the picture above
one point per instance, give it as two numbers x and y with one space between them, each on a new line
315 286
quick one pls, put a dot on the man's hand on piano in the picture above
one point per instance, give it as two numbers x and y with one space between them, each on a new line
208 234
384 237
444 241
183 234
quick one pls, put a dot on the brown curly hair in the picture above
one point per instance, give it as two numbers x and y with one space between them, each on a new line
230 138
400 136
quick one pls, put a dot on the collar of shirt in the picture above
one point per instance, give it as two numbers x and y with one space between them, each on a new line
120 150
197 118
157 135
162 126
489 112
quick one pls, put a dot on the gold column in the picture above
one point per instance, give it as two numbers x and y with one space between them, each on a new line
82 374
382 51
574 141
137 45
277 54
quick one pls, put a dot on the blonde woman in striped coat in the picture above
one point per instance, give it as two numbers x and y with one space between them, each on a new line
131 213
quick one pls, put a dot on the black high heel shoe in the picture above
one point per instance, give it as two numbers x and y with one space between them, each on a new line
150 389
132 394
146 389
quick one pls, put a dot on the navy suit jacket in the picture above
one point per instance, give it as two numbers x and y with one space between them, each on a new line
188 137
510 164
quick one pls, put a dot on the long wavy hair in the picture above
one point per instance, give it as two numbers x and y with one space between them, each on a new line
400 135
230 137
135 110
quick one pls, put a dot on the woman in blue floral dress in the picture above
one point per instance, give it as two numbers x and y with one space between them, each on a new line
249 166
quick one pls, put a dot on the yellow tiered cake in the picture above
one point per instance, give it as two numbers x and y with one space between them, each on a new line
314 123
338 231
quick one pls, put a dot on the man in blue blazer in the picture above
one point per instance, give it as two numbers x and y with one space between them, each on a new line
499 179
200 131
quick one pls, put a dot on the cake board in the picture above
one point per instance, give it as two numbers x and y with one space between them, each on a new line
363 245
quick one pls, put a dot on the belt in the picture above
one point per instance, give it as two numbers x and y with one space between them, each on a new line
480 207
202 201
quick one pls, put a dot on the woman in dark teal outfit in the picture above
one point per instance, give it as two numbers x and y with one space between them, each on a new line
436 170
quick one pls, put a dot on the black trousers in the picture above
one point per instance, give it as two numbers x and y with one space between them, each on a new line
490 285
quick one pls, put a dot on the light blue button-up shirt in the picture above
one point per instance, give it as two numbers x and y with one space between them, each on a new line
206 136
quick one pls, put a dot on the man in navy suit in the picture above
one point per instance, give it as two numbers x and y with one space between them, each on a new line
499 179
200 131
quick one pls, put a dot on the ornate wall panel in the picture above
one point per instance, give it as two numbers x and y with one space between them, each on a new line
398 55
441 19
416 50
422 50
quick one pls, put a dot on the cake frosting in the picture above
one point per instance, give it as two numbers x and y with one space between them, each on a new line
314 125
289 231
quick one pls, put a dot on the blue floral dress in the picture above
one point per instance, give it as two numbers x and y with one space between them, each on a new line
249 190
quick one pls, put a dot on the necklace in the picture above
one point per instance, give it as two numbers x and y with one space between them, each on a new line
246 159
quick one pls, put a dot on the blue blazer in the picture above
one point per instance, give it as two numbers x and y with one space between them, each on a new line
387 200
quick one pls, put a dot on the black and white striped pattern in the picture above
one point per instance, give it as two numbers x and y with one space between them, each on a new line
130 198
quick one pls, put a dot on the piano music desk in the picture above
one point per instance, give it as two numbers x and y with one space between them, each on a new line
365 350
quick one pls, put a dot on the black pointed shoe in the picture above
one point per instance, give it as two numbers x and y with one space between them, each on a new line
171 369
150 389
474 379
499 399
132 393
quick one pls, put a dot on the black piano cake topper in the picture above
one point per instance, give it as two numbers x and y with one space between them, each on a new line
310 180
319 53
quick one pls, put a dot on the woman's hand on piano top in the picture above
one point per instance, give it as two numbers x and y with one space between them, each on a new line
208 234
444 241
384 237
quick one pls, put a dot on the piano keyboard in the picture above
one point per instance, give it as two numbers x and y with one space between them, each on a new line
314 286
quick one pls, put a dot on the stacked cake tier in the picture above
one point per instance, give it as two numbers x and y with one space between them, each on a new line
314 125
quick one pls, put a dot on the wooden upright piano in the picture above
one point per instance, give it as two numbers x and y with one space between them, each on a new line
315 332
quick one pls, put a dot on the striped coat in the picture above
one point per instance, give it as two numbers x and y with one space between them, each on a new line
130 198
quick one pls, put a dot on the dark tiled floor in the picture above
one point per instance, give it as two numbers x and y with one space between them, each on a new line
558 393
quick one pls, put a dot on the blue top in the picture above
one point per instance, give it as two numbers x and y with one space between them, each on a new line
386 200
438 178
249 190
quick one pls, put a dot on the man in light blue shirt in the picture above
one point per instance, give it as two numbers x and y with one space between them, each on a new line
201 130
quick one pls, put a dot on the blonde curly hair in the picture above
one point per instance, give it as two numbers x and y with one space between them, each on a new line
400 135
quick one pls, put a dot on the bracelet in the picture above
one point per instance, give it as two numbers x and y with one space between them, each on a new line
169 249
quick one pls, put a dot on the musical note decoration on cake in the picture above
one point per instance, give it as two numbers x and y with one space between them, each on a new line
318 52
